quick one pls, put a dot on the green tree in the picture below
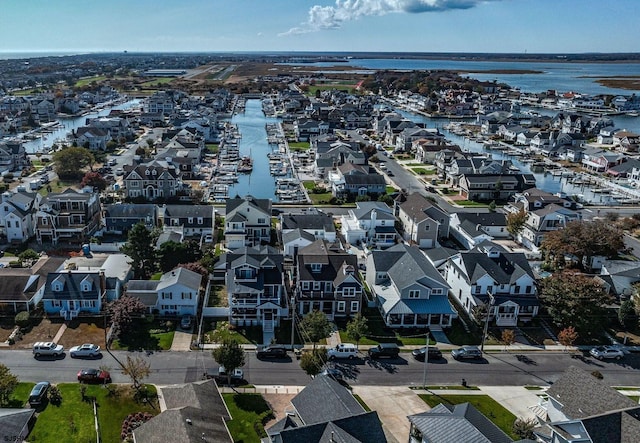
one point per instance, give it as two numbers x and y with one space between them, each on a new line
171 254
70 162
28 258
230 355
313 362
575 299
357 328
627 314
508 337
8 382
315 326
516 221
492 206
523 428
140 248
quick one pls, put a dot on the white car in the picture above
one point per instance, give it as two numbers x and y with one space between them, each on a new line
85 350
237 374
602 352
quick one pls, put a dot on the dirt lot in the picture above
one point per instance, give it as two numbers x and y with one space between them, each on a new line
85 332
42 330
279 403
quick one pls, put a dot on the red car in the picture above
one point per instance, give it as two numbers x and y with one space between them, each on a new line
94 376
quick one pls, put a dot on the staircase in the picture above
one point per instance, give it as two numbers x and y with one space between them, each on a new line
267 325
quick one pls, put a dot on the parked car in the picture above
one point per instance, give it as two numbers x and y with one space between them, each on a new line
86 350
39 393
433 353
271 352
208 238
94 376
187 321
467 353
343 350
220 375
606 352
47 348
390 350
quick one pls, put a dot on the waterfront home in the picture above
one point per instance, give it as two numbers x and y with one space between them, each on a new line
93 138
160 102
122 217
117 127
156 179
68 216
299 230
255 284
305 129
424 224
327 280
498 187
117 269
370 223
338 153
470 229
624 169
409 290
426 150
247 222
599 160
13 156
626 141
176 293
405 139
488 275
356 180
192 220
17 215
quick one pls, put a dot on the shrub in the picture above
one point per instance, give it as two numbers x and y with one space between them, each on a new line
23 319
55 396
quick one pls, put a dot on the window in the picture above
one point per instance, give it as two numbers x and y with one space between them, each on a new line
341 306
316 267
528 290
516 289
190 219
8 224
478 289
426 227
327 286
186 296
316 285
166 295
348 292
436 291
200 220
261 221
305 285
56 303
414 293
355 306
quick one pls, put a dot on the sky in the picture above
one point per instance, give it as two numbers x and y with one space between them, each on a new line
494 26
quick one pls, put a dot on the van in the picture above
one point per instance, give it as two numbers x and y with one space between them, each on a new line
390 350
343 350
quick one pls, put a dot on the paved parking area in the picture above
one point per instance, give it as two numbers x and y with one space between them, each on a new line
181 340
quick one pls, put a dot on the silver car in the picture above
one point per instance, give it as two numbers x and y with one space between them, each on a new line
467 353
606 352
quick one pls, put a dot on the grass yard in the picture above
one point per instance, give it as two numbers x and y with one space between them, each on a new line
157 335
218 296
88 80
299 146
73 419
157 81
212 148
459 336
379 333
391 189
483 403
471 204
219 331
58 186
20 395
250 412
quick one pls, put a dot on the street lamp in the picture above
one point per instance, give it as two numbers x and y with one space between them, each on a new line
492 300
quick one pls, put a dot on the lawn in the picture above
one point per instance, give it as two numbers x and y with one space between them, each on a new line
157 335
316 199
88 80
218 296
485 404
219 331
379 333
250 412
471 204
73 419
58 186
212 148
391 189
299 146
423 171
459 336
157 81
20 395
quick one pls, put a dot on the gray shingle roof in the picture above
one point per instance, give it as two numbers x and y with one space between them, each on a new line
361 428
337 401
308 221
182 276
413 267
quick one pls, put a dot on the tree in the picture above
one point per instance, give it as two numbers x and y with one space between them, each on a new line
508 337
357 328
516 221
8 382
567 337
315 326
69 162
195 267
171 254
523 428
584 240
123 311
230 355
28 258
575 299
313 362
627 314
137 368
141 250
493 206
95 180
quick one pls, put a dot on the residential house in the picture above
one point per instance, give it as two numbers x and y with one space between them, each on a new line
409 290
68 293
117 270
326 411
498 187
470 229
95 139
161 102
426 150
545 212
619 276
405 139
176 293
17 215
247 222
460 423
256 287
581 408
117 127
424 223
488 275
21 289
327 280
13 156
371 223
193 220
69 216
338 154
356 180
597 160
189 413
122 217
299 230
306 129
156 179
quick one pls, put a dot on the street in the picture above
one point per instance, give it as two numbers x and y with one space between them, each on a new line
501 368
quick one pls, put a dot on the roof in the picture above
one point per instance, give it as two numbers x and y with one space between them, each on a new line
365 428
460 423
338 402
186 211
413 266
331 259
505 268
14 421
71 285
264 204
418 208
364 210
582 395
295 234
180 276
132 210
308 221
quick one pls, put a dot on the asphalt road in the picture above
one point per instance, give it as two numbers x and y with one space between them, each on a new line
181 367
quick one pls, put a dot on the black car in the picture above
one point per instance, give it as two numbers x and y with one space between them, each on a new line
271 352
389 350
39 393
434 353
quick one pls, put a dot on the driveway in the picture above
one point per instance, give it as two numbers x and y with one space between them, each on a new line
393 404
181 340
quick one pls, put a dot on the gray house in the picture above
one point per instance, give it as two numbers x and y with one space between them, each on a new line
424 223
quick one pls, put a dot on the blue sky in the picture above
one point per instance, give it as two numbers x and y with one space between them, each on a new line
556 26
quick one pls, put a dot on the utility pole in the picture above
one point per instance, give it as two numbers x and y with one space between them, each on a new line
293 320
426 360
492 300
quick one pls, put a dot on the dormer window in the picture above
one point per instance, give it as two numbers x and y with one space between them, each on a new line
154 172
414 293
57 285
316 267
147 172
86 285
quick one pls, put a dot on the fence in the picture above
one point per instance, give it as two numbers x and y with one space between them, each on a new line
215 312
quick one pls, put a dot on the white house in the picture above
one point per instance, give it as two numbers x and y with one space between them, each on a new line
17 215
247 222
371 223
471 229
176 293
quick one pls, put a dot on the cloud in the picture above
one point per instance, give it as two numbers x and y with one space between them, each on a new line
332 17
